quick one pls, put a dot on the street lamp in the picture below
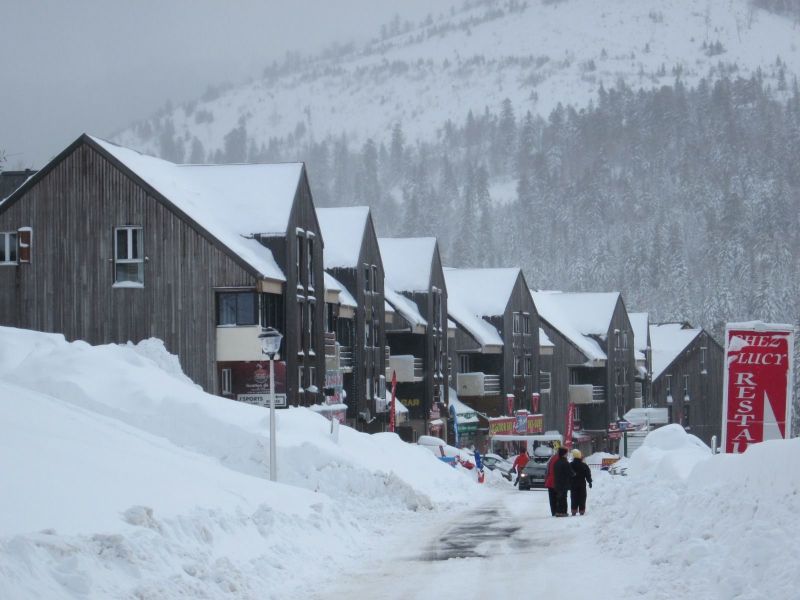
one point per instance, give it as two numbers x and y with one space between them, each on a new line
270 345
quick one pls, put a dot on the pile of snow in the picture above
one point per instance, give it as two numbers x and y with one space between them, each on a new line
712 526
129 481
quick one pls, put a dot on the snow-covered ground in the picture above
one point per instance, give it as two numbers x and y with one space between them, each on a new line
121 479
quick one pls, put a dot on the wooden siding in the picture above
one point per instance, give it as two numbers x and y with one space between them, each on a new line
73 210
705 390
564 356
367 363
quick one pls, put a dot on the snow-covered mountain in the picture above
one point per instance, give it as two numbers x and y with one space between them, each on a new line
537 53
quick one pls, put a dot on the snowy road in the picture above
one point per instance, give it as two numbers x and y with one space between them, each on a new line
505 548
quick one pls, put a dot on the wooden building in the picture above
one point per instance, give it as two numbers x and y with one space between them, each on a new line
688 366
495 353
592 365
640 321
353 257
117 246
417 334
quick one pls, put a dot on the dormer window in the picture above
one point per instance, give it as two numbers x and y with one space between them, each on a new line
128 257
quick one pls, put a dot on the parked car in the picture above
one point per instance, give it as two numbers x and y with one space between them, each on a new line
533 475
496 462
445 452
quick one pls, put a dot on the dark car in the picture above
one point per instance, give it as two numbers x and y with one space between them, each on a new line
533 475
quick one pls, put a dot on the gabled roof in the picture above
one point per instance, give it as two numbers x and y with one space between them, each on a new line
334 285
639 322
476 293
227 203
343 231
407 262
407 308
550 308
667 341
590 313
544 340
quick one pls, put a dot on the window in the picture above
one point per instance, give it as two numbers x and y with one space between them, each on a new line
236 308
685 421
301 324
227 382
528 365
369 387
299 258
375 279
300 379
518 366
272 311
128 256
686 397
526 323
517 327
367 279
312 324
463 363
669 388
8 248
312 376
310 262
703 370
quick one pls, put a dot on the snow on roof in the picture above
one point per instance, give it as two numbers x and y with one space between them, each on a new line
476 293
549 307
345 297
639 323
667 341
545 341
228 201
590 313
407 308
342 231
407 262
387 308
464 414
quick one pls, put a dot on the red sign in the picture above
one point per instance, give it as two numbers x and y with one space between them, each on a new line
393 404
509 425
510 403
757 394
248 381
570 425
535 402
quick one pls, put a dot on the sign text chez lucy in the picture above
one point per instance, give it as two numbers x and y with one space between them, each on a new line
510 426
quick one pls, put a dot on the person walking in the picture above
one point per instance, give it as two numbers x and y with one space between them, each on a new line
583 476
519 463
550 484
562 473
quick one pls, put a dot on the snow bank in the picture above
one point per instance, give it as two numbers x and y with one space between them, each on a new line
129 480
712 526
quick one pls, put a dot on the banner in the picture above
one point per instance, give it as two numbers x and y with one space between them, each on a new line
757 390
570 427
393 405
508 425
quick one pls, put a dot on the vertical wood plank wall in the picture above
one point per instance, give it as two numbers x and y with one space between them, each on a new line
67 288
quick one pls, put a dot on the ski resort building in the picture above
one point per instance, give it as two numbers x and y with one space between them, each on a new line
688 367
495 352
417 334
592 365
353 258
113 245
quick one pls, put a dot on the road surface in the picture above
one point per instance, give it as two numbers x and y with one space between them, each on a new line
510 547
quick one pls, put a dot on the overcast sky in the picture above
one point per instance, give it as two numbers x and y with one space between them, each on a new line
96 65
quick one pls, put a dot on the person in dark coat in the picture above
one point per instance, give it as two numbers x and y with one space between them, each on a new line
550 484
562 473
583 475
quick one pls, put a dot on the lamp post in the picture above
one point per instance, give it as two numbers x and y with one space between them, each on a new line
270 345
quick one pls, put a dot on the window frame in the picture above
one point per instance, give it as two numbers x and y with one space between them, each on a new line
130 259
226 383
7 247
256 310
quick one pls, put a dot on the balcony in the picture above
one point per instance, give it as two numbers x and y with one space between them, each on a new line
329 338
587 394
407 367
478 384
338 357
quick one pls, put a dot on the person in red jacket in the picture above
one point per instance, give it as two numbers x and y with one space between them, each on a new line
550 483
519 463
